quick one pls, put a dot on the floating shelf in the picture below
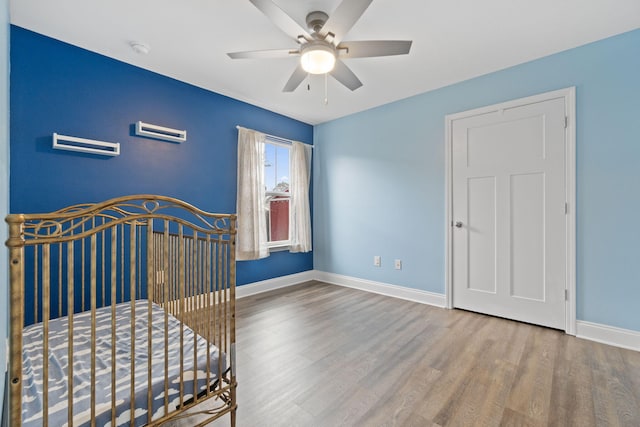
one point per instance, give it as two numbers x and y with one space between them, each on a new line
160 132
83 145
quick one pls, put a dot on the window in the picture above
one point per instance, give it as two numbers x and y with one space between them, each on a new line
273 195
277 195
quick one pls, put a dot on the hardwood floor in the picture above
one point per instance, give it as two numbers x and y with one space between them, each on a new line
323 355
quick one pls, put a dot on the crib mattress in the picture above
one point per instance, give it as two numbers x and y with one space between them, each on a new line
32 402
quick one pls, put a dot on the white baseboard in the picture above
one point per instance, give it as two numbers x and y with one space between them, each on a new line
401 292
611 335
394 291
275 283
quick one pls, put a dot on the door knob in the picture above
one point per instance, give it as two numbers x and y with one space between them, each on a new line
458 224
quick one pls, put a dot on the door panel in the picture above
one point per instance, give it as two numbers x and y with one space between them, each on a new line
482 202
487 145
527 236
508 183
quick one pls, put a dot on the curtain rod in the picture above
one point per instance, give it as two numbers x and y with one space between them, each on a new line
278 138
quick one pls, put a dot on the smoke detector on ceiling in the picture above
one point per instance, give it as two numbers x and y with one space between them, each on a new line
140 47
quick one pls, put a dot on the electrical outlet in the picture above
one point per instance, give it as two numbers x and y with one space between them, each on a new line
377 262
398 264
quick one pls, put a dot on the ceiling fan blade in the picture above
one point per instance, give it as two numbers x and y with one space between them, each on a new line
281 19
370 48
344 75
343 18
296 78
264 54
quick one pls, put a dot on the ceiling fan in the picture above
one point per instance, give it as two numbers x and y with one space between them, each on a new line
321 48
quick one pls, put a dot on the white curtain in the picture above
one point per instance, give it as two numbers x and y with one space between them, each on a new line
252 219
299 212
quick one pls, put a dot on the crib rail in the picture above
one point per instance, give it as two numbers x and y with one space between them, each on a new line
155 273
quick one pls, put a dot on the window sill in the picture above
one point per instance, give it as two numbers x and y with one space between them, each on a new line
279 248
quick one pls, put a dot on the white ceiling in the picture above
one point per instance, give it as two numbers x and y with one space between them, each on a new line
453 40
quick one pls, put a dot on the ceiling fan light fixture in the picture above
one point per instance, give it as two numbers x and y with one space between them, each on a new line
318 58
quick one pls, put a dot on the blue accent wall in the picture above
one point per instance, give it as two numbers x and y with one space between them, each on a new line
56 87
380 178
4 184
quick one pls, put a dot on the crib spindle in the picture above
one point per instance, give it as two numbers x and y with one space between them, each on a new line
114 276
70 309
150 298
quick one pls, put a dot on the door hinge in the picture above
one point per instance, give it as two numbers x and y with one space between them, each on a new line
566 295
566 122
566 208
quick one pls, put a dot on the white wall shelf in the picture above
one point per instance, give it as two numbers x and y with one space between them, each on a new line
84 145
160 132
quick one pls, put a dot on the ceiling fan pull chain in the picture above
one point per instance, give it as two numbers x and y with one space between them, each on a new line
326 89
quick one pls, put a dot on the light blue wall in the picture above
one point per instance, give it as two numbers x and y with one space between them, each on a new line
4 179
379 178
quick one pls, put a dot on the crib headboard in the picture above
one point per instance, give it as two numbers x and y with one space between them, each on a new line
89 256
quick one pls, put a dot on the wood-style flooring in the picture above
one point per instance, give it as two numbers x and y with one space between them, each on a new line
323 355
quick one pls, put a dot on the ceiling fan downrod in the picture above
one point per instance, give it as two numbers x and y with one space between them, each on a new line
316 20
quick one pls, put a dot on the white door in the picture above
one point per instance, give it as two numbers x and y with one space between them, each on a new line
508 209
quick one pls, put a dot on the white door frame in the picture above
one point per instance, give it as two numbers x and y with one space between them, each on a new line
569 95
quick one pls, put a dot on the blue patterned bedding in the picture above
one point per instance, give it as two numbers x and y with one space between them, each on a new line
58 365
